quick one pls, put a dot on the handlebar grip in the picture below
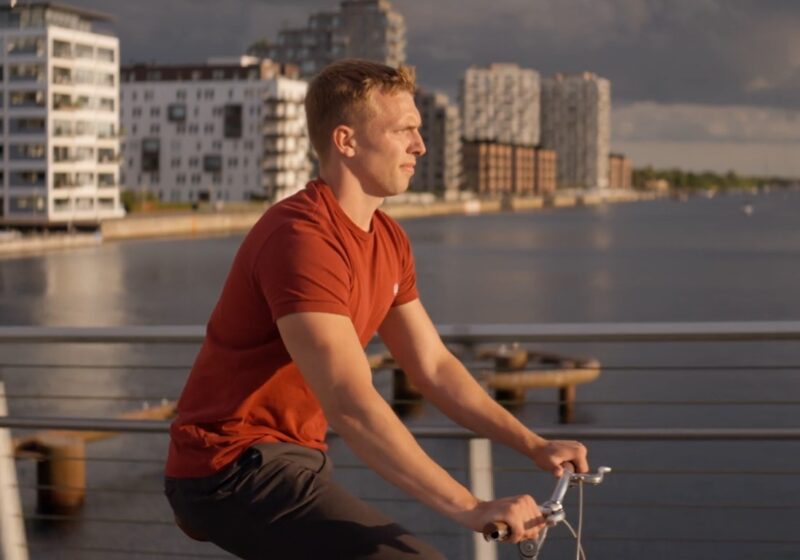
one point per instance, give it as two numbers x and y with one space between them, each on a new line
496 531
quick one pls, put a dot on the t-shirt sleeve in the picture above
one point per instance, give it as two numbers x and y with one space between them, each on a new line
299 269
407 287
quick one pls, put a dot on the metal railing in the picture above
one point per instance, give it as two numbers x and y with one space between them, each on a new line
656 498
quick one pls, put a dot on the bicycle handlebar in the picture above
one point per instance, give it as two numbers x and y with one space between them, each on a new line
552 509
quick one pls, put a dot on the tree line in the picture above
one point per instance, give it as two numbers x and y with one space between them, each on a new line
682 179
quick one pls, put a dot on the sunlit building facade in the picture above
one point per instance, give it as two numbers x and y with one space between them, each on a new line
223 131
60 129
576 123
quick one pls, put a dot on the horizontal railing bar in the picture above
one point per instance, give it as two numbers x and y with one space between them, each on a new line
127 551
606 368
583 402
459 333
684 540
561 432
82 519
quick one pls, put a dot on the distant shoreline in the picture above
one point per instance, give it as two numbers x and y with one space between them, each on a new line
202 224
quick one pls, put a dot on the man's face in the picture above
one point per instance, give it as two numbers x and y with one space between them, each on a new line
388 143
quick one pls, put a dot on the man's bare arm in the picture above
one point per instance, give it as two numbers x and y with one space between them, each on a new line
416 345
326 349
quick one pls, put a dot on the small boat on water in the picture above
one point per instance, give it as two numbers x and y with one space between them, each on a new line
747 209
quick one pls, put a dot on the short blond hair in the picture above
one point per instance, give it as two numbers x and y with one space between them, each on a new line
338 95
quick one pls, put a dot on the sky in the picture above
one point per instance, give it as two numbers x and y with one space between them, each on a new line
697 84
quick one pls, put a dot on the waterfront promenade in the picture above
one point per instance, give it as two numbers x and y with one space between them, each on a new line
227 221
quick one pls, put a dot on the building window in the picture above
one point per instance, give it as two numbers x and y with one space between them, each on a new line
216 145
181 94
208 128
176 112
137 111
105 55
84 51
26 125
25 179
27 152
155 128
151 149
233 121
26 73
106 180
192 129
175 162
148 96
27 204
155 111
212 163
62 49
26 46
194 162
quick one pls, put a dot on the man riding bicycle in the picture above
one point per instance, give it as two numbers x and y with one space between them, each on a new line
283 358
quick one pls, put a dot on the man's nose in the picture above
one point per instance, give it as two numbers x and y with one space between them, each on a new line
418 146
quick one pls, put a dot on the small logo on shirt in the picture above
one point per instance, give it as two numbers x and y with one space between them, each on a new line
395 288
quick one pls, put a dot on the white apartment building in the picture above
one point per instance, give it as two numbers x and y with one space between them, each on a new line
576 123
230 131
500 103
60 122
439 170
368 29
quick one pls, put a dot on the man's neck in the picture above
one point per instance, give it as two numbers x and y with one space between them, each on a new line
351 196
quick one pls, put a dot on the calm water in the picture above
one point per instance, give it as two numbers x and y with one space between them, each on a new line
703 260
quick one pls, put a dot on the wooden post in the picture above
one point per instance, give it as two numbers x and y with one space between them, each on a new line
407 398
566 404
61 474
13 543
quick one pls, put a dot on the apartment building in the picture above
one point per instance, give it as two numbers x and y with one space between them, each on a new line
576 123
523 176
500 103
620 172
545 171
439 170
488 168
229 130
59 156
494 168
369 29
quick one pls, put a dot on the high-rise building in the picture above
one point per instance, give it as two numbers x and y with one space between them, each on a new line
439 170
620 172
229 131
368 29
500 103
576 123
59 158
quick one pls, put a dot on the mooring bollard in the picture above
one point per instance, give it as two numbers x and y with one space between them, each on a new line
61 474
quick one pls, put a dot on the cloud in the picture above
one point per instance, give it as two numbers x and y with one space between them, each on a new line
670 51
649 121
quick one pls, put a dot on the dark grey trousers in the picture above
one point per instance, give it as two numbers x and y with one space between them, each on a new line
277 502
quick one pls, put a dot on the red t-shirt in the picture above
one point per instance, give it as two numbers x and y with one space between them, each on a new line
304 254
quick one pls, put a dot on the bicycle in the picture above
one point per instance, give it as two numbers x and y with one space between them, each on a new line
553 512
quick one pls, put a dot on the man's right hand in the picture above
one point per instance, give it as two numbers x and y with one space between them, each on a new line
520 513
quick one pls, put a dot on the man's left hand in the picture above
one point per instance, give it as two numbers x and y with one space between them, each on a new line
552 454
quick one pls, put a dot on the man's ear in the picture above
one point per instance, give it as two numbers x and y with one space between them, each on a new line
344 140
